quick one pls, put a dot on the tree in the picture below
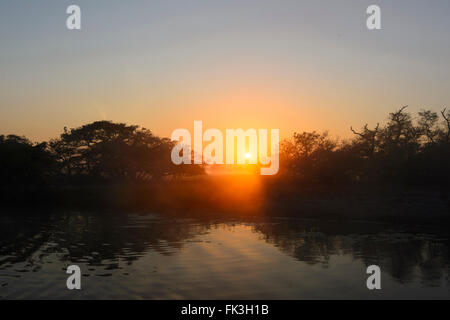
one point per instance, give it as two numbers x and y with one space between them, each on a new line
405 150
23 162
446 132
109 151
427 125
368 140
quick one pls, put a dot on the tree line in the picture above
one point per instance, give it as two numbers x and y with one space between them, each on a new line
99 152
405 150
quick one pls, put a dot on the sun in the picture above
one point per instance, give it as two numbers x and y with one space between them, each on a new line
247 155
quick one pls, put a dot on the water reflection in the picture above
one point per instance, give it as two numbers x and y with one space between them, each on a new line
92 239
153 257
404 255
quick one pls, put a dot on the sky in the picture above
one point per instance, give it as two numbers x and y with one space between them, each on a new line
291 65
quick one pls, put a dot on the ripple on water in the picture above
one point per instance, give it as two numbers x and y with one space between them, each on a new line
152 257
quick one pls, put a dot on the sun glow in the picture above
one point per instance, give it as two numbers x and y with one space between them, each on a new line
248 155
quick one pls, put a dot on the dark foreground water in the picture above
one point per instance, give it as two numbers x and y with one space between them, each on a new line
152 257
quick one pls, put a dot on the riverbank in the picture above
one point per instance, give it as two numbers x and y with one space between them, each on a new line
243 197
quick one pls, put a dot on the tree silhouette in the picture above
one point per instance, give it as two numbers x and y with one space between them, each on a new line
109 151
24 163
402 151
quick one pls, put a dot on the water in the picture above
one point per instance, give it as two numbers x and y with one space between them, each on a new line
153 257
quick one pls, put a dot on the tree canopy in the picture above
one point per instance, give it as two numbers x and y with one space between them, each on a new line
406 149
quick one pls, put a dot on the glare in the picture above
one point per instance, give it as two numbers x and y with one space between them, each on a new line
248 155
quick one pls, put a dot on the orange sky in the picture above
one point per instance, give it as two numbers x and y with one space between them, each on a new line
299 66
